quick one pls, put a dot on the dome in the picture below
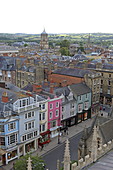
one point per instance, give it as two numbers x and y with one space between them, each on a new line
44 32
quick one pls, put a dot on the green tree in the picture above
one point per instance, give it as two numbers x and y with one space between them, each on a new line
65 43
37 163
25 45
64 51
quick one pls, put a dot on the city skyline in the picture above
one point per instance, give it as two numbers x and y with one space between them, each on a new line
74 16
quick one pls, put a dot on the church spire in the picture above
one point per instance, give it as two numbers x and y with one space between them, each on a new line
67 156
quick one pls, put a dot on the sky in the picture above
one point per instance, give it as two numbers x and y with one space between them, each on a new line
56 16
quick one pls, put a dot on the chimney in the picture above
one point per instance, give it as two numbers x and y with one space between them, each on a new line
51 87
37 88
4 97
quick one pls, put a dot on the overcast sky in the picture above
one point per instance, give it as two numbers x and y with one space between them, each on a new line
57 16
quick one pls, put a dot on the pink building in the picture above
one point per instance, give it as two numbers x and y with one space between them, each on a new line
54 115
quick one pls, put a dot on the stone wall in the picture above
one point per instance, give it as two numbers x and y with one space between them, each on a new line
89 158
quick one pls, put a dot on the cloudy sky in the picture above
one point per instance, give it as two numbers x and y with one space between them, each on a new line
57 16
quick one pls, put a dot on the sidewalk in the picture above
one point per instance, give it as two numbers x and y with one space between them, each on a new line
72 131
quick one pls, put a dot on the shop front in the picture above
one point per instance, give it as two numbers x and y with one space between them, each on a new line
68 122
11 155
2 157
30 147
86 114
45 138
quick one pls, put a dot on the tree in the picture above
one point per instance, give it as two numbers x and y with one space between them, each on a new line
64 51
65 43
37 163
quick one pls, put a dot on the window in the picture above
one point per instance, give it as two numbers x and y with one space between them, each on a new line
35 133
2 141
53 124
101 90
33 113
32 124
1 128
29 114
25 115
29 125
57 104
51 106
86 95
80 108
40 116
20 103
109 75
101 81
27 102
86 105
24 102
26 126
101 74
109 82
50 115
43 106
108 91
80 97
12 139
40 128
43 116
40 106
43 127
11 126
72 105
62 108
57 113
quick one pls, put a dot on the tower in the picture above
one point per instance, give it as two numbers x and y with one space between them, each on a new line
44 40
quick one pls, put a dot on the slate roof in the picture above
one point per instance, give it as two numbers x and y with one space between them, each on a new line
28 87
63 90
107 130
80 57
7 63
80 89
75 72
104 127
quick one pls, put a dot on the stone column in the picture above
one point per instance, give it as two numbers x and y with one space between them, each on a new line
6 158
24 149
35 144
18 153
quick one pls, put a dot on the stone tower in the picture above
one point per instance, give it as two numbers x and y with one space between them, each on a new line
44 40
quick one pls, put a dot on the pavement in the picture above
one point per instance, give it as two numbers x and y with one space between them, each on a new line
72 131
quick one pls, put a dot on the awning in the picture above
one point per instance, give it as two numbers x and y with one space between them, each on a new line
44 133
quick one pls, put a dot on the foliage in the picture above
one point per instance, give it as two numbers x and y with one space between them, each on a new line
25 45
37 163
81 48
65 43
64 51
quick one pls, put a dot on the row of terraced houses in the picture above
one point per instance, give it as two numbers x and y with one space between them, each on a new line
30 120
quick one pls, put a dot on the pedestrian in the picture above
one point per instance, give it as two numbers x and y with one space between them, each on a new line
65 131
58 138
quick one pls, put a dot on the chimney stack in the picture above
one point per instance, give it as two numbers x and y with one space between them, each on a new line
4 97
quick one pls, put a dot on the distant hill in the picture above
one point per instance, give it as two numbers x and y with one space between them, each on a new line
96 38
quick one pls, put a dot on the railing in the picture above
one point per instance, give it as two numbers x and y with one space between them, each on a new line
26 108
